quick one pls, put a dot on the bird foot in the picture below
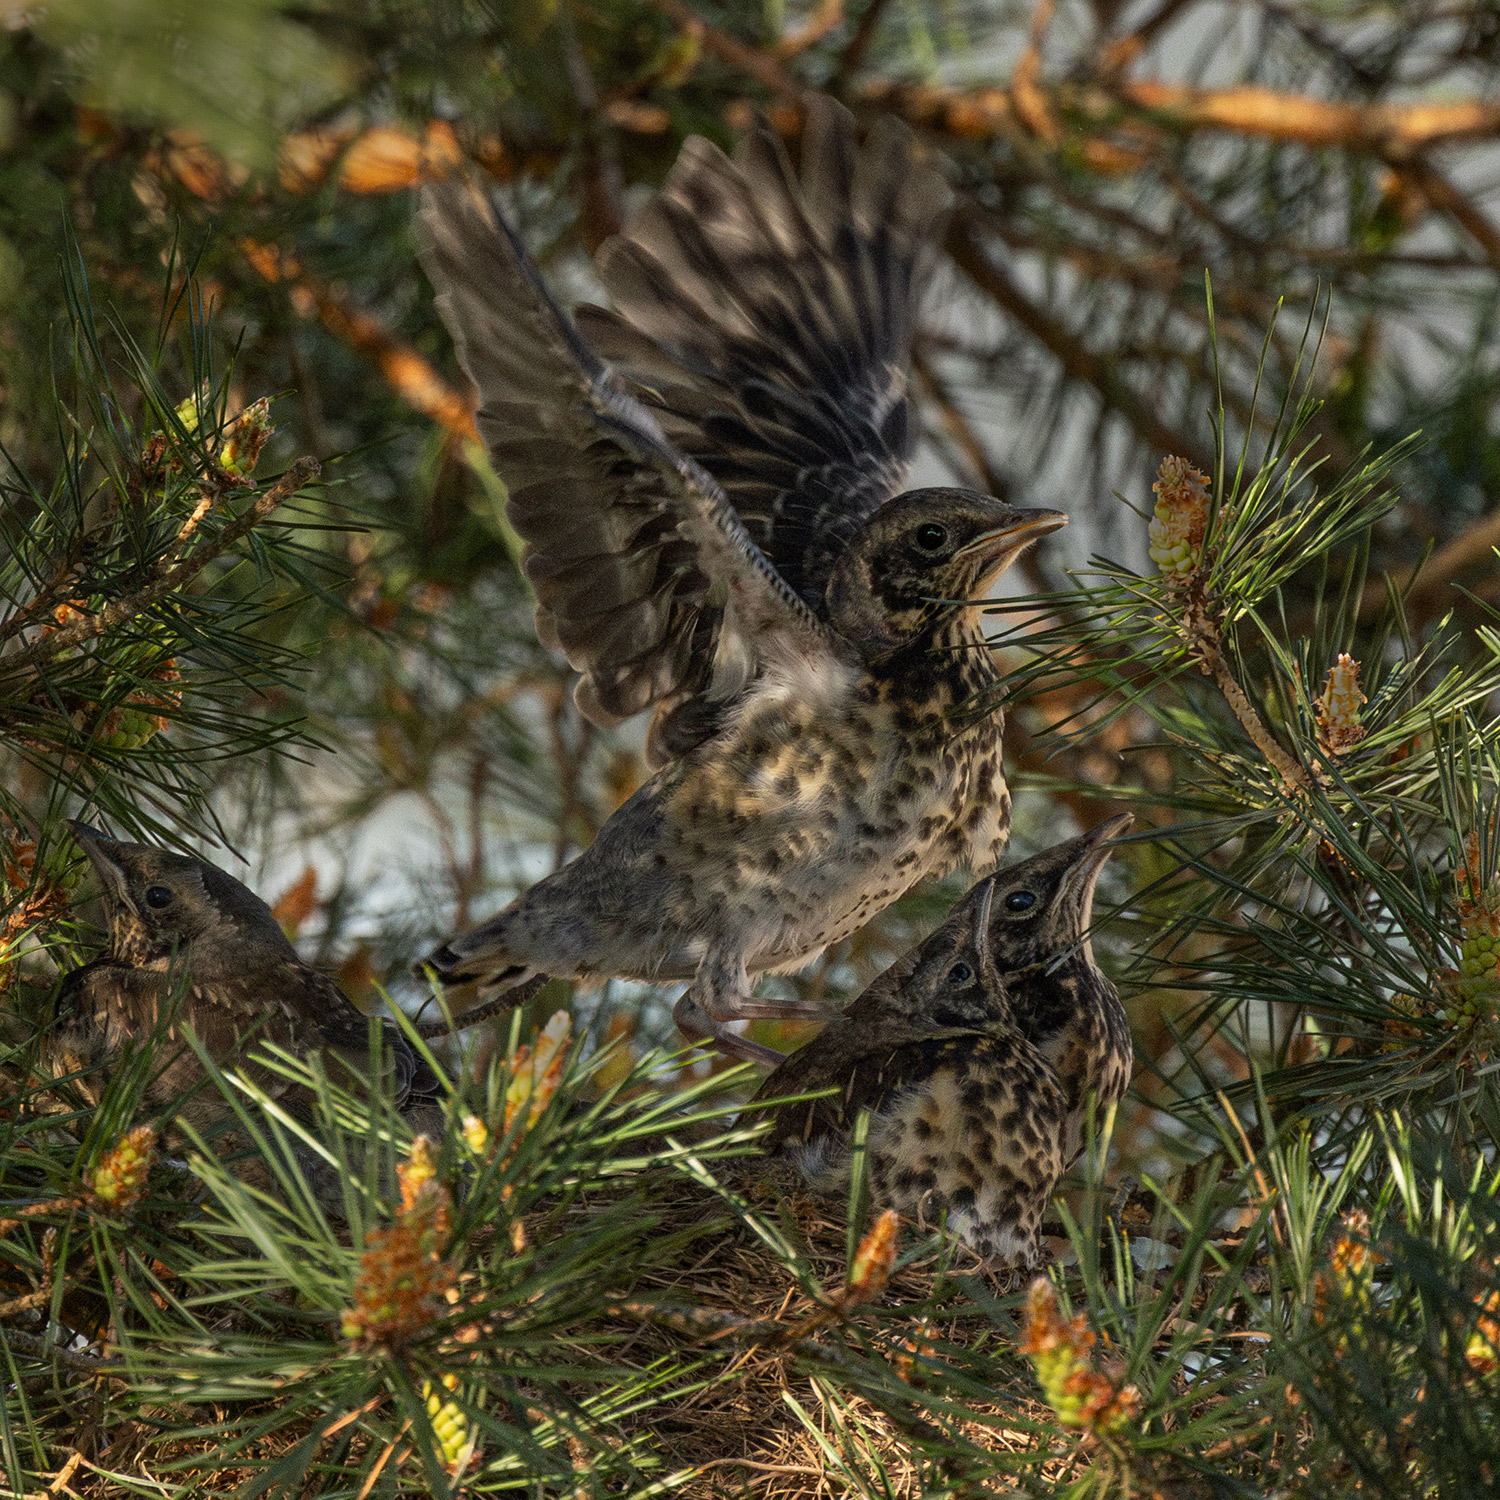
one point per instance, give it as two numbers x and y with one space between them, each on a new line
698 1026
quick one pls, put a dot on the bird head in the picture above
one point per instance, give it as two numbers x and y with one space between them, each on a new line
159 903
924 556
951 980
1043 906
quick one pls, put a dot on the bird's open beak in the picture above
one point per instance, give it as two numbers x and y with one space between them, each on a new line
1096 850
998 548
99 849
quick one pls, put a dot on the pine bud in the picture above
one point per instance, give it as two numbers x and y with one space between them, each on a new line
1180 519
1483 1348
250 433
873 1261
536 1074
120 1177
399 1289
1339 728
449 1425
1081 1395
424 1199
1476 987
476 1134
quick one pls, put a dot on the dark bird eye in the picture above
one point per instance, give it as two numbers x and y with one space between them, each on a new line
960 974
931 537
1020 901
158 896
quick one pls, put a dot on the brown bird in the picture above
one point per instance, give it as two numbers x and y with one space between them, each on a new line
1064 1004
189 943
717 529
966 1115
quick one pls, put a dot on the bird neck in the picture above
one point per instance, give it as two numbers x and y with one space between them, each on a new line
1048 999
947 674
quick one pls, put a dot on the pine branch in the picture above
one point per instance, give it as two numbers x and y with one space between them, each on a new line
1078 362
763 66
170 576
979 114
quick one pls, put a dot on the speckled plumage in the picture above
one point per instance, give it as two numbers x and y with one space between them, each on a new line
967 1116
1063 1002
717 530
190 944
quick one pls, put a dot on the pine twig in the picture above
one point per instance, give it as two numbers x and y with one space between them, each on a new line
1201 634
81 1364
761 65
1078 362
169 579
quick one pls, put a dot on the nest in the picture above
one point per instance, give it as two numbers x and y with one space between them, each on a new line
739 1431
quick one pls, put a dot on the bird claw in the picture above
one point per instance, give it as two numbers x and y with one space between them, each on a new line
698 1026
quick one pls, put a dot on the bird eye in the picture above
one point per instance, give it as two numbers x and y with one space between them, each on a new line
158 896
931 537
1020 901
960 974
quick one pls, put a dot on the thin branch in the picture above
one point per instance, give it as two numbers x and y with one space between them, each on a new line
828 16
1466 551
983 113
761 65
119 611
81 1363
853 57
1442 194
1078 362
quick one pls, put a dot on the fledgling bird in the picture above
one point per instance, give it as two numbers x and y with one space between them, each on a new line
185 934
717 528
1064 1004
966 1115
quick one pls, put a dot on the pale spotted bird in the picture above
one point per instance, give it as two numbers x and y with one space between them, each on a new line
967 1116
710 483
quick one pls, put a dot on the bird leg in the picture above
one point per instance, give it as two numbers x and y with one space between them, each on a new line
722 993
509 1000
697 1026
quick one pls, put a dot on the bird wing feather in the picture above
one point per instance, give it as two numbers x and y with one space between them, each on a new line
767 322
869 1067
645 576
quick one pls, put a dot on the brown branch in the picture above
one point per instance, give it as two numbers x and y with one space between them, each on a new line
1078 362
602 205
1277 116
83 1364
1422 582
1118 54
828 15
853 57
762 66
1028 98
120 610
1442 194
1202 636
982 113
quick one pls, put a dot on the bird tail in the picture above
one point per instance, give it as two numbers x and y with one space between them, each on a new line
482 959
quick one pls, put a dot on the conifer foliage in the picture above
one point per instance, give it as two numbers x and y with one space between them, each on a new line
1220 282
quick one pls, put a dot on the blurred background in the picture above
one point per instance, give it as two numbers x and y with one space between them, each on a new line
1339 158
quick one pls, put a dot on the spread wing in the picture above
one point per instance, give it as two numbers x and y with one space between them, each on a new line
767 323
645 576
